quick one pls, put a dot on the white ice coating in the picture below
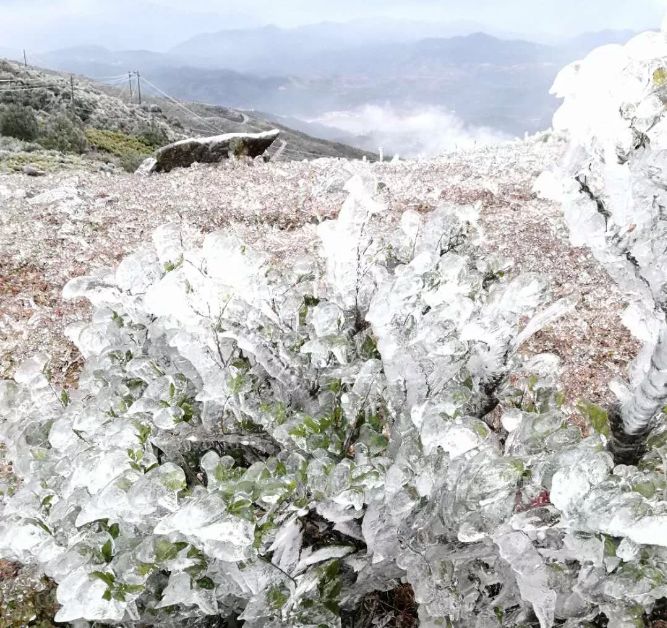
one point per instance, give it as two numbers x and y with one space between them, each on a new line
280 440
614 190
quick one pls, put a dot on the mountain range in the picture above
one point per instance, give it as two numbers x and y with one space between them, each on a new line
310 72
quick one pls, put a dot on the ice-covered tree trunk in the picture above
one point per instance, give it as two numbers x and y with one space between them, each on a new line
650 396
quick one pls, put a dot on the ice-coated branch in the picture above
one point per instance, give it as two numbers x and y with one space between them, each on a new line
613 193
650 397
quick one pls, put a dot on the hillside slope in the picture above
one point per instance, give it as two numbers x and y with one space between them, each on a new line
87 124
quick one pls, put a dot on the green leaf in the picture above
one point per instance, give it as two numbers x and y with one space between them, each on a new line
116 318
143 569
660 77
299 431
206 583
64 398
39 524
597 416
165 550
174 481
107 551
559 398
236 384
312 424
277 597
143 433
46 502
369 349
193 552
105 576
171 266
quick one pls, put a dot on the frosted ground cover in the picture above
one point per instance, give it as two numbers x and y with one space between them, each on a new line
276 439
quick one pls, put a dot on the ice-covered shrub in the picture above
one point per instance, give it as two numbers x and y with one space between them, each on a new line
274 441
614 195
18 122
64 133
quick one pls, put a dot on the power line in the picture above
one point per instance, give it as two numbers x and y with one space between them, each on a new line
178 104
120 79
107 78
26 81
123 92
23 89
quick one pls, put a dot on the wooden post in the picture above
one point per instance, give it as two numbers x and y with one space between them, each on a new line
71 84
25 59
129 76
138 85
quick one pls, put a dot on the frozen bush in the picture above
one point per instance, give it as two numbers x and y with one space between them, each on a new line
274 441
63 133
18 122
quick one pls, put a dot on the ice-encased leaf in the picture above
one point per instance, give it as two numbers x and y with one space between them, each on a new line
530 573
286 547
205 522
181 590
81 596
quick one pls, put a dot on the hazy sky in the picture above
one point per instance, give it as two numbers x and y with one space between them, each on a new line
159 24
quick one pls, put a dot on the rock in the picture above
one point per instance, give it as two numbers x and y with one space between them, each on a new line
211 150
147 167
32 171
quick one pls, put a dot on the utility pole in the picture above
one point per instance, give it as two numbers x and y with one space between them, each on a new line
25 59
71 84
129 76
138 85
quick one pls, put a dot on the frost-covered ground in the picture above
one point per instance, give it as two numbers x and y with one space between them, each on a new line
68 224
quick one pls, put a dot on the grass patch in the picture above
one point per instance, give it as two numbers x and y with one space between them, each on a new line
14 162
129 149
117 143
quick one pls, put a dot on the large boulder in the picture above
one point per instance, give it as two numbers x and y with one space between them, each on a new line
210 150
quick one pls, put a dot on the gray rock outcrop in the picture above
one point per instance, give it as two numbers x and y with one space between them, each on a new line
146 167
32 171
211 150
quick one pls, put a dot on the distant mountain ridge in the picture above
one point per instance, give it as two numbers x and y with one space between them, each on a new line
284 50
310 71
